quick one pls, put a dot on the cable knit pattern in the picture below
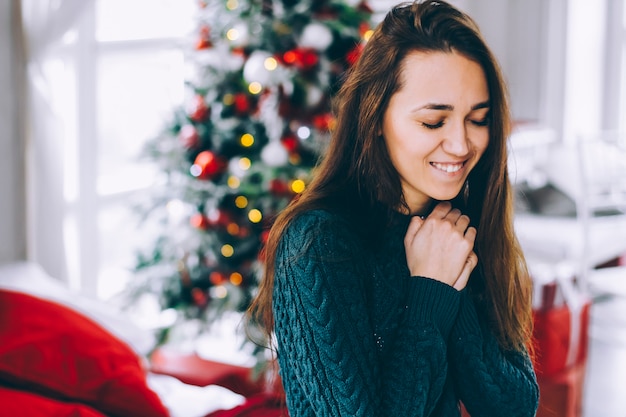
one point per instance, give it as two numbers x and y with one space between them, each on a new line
478 364
358 336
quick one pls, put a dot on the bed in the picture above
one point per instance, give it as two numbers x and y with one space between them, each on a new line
63 354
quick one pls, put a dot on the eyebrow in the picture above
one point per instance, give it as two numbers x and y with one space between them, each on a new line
449 107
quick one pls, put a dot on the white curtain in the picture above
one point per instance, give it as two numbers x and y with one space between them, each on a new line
45 23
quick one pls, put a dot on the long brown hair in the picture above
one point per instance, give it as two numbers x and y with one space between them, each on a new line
357 175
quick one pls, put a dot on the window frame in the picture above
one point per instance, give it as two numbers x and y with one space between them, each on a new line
82 235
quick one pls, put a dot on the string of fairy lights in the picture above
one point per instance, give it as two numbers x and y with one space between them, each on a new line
257 117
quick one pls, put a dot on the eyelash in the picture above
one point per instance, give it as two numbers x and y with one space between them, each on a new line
483 122
435 126
479 123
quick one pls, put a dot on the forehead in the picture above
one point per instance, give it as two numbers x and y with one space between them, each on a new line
444 77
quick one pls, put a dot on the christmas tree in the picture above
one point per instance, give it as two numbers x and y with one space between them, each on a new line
257 117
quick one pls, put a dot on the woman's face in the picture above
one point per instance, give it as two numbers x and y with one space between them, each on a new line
436 126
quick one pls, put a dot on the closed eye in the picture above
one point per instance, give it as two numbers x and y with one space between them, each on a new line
481 119
483 122
432 126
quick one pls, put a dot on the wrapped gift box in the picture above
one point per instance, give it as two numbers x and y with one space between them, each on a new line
561 395
560 338
561 323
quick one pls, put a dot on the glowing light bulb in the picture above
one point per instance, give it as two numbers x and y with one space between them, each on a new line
232 229
232 34
227 251
297 186
233 182
236 278
244 163
255 216
241 201
270 64
247 140
303 132
255 87
219 292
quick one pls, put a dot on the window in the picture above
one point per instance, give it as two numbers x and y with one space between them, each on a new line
123 76
622 104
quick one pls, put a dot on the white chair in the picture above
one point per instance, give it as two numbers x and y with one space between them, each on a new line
601 210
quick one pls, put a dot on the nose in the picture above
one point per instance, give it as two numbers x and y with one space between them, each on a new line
456 142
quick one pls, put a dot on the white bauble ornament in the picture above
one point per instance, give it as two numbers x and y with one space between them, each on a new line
317 36
274 154
234 167
314 95
219 57
238 35
255 69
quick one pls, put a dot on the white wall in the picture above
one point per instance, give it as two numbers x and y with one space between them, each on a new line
12 181
527 38
584 92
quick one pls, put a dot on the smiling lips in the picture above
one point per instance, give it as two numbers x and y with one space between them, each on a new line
449 168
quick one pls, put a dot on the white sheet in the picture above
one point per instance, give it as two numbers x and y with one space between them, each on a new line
184 400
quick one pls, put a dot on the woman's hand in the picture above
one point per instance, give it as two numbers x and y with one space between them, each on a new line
441 246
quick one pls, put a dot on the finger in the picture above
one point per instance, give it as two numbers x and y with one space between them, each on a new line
470 264
453 215
414 226
441 209
470 234
463 222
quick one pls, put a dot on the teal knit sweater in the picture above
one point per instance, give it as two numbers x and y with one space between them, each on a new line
358 336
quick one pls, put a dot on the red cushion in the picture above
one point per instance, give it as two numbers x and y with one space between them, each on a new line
50 349
28 404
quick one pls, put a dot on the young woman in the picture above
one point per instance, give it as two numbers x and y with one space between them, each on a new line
395 285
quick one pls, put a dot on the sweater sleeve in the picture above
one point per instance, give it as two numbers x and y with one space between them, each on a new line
489 380
326 342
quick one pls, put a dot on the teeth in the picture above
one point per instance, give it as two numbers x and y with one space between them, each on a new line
447 167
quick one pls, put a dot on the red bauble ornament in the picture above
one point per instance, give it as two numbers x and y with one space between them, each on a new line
208 166
324 122
290 143
199 297
363 28
265 234
279 187
241 103
204 38
217 278
364 7
199 221
354 54
238 51
188 136
203 43
302 58
198 110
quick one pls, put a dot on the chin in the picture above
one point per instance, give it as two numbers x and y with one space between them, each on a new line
439 196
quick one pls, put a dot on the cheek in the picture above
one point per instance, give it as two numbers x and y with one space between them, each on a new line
480 143
395 137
